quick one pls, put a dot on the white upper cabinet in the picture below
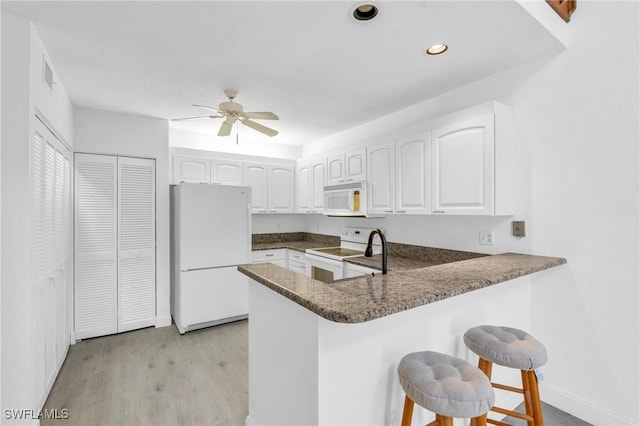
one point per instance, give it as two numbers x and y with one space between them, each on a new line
280 189
255 176
349 167
467 158
413 177
272 187
303 186
356 165
335 169
205 170
191 169
381 173
318 170
310 182
227 172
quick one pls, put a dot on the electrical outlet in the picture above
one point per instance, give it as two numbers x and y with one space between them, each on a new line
486 238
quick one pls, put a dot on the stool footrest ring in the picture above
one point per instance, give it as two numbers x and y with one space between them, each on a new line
512 413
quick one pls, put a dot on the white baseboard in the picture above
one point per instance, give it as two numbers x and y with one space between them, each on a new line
163 321
582 409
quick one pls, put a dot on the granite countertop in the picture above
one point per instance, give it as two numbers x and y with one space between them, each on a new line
369 297
394 263
301 245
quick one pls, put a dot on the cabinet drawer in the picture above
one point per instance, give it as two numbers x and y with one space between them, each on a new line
299 267
296 255
268 255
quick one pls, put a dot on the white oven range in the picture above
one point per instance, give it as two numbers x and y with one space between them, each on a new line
325 264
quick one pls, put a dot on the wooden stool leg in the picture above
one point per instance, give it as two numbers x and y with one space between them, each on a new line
407 412
479 421
486 367
536 405
526 390
444 420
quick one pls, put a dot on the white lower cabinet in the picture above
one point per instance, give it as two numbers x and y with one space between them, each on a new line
351 270
114 244
296 261
275 256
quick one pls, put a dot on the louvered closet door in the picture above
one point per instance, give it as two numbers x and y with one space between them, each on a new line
95 245
136 243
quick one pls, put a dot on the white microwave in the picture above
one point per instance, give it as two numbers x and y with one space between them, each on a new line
346 200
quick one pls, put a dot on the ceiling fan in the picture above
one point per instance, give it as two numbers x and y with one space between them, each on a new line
232 112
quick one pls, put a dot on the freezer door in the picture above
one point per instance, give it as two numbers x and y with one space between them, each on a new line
212 295
214 225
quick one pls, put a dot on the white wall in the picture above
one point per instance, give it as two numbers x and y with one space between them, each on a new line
577 120
179 138
103 132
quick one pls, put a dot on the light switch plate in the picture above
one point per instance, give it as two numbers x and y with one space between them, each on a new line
517 227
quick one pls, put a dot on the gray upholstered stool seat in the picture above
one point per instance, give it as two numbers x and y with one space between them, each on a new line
445 385
506 346
516 349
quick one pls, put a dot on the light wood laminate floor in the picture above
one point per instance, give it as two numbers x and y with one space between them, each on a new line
156 376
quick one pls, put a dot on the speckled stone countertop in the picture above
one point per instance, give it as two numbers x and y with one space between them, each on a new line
367 298
294 240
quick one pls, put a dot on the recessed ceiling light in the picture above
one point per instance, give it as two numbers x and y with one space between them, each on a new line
437 49
365 12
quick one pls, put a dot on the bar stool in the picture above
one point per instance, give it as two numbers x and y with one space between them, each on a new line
445 385
512 348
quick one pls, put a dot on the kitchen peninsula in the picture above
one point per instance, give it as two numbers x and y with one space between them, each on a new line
328 353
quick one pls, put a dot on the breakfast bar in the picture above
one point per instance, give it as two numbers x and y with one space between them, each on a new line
327 353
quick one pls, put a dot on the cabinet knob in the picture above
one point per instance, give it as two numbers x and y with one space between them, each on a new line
401 211
388 211
438 211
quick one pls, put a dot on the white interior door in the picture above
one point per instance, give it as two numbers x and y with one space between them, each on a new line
95 245
136 243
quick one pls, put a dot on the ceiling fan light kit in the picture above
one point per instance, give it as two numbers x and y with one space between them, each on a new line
232 112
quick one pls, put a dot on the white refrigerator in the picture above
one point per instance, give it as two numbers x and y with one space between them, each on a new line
210 237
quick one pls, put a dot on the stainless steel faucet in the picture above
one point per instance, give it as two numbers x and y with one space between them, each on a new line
369 250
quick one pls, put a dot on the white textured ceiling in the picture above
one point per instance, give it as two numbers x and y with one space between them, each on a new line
308 61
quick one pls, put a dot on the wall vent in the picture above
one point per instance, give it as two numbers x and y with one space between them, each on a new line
47 74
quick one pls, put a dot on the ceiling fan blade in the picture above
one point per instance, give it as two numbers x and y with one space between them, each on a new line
260 115
225 128
208 107
197 118
259 127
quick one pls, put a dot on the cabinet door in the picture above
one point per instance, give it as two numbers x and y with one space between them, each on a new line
191 169
335 169
463 167
95 245
136 243
413 178
318 181
303 184
255 176
226 172
356 165
281 189
381 178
